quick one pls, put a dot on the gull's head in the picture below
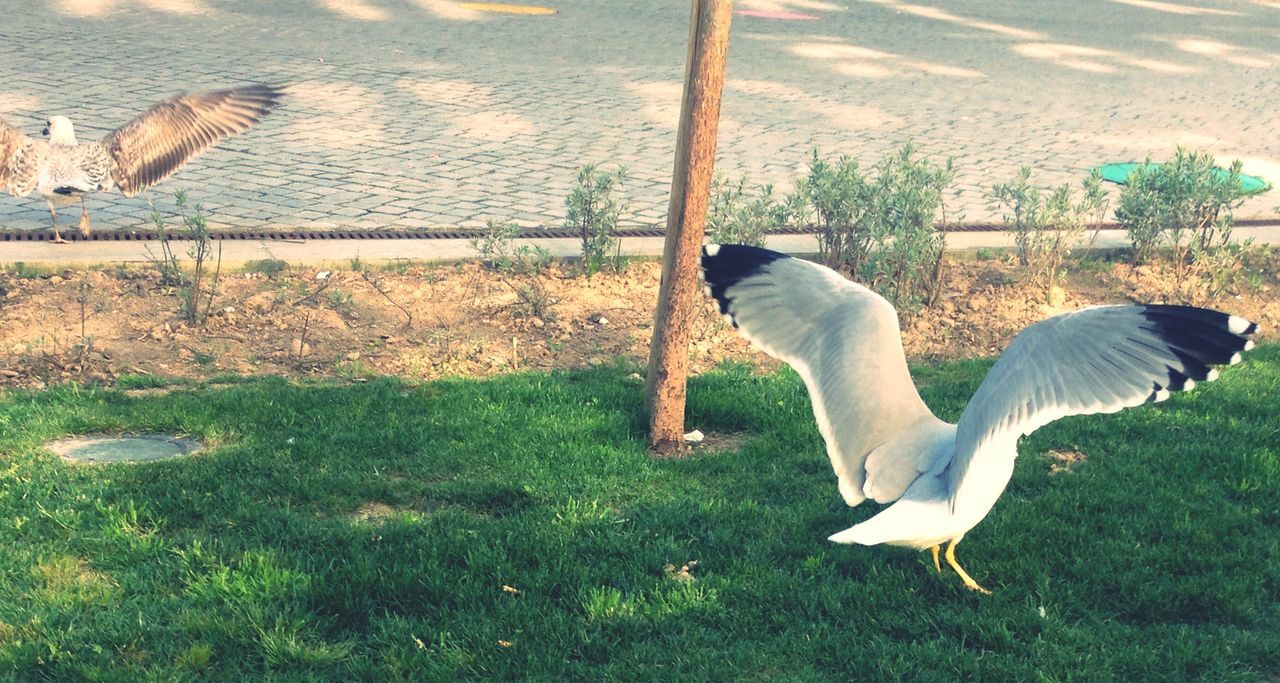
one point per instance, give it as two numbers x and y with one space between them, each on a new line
59 130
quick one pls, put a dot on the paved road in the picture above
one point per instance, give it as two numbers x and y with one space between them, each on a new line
421 113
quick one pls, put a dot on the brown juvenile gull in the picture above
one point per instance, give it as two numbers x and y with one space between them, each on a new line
133 157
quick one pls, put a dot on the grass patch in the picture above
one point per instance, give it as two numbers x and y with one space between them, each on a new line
516 528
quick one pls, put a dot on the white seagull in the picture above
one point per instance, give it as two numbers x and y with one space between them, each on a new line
885 444
132 158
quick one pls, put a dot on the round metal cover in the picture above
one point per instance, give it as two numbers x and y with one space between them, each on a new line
123 448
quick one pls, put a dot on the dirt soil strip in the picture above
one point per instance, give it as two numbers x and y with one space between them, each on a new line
424 321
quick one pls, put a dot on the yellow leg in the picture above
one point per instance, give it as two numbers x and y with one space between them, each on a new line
935 550
968 580
84 218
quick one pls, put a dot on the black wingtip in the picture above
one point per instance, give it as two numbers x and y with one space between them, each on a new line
725 265
1199 337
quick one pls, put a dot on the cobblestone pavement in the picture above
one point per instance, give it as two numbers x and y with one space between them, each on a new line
421 113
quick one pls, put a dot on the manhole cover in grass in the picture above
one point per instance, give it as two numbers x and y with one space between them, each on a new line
124 448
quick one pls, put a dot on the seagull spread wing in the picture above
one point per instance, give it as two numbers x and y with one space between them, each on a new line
843 340
17 164
154 145
1096 360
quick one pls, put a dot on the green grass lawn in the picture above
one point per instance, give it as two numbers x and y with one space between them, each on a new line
1157 557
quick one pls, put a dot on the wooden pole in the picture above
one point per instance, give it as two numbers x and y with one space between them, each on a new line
686 223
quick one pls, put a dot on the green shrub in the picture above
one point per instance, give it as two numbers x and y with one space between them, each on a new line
498 251
532 299
737 215
592 211
522 267
1179 203
1045 226
1214 271
836 193
904 203
1185 204
882 231
196 293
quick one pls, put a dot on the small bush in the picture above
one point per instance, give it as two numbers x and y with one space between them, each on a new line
204 285
522 267
498 251
166 263
1179 203
881 230
398 266
1214 271
532 300
905 202
198 291
1045 226
836 193
196 657
593 211
1185 204
22 271
737 215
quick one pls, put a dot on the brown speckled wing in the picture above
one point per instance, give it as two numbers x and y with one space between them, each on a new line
19 161
151 147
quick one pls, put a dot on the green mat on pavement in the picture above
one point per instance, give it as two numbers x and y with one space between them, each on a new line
1119 174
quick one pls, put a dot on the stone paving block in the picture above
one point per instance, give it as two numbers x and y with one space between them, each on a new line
439 129
346 211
